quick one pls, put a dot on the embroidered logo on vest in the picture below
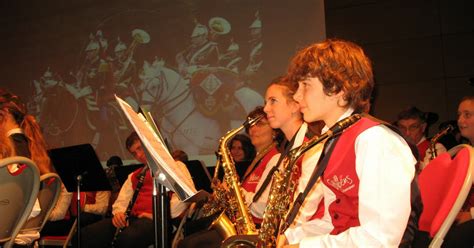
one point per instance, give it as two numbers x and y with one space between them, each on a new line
341 183
253 178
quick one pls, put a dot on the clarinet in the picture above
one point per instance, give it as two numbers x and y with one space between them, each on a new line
131 203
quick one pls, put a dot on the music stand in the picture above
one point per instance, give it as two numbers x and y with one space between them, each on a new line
79 169
199 174
122 172
161 163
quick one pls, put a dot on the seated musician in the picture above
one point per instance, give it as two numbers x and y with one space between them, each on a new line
283 113
263 137
413 123
363 197
26 140
460 234
138 228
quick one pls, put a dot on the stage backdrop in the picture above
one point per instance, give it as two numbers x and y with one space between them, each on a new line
199 66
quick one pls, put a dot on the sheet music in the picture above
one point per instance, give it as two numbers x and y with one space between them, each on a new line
170 176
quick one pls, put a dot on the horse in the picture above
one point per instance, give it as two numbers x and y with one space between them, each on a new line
70 116
181 118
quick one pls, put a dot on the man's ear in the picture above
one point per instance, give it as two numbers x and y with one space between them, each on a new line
423 127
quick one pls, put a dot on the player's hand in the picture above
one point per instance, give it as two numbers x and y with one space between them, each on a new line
119 220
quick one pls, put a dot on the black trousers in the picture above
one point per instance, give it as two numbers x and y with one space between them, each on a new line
139 233
62 227
205 238
461 235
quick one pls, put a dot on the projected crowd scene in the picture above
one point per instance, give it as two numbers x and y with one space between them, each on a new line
194 97
198 66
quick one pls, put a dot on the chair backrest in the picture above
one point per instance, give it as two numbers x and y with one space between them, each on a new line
18 192
50 188
444 186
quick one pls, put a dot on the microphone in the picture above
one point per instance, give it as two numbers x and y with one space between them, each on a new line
80 176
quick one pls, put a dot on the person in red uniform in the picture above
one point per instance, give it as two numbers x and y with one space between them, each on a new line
412 123
138 230
365 191
460 234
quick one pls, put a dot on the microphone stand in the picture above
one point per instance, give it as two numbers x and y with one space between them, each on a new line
79 180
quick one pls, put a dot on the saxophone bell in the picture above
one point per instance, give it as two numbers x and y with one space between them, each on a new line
224 226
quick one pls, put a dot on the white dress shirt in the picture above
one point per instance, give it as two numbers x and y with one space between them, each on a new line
385 168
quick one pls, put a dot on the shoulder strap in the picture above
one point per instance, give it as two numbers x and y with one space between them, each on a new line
321 166
137 190
265 183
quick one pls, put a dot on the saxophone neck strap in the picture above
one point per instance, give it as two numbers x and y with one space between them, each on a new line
257 160
317 172
265 183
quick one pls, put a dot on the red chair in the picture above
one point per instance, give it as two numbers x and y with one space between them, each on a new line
444 185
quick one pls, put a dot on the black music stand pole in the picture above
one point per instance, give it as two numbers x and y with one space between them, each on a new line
79 179
160 214
156 210
80 170
165 208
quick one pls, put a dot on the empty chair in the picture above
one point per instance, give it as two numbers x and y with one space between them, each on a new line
444 185
18 192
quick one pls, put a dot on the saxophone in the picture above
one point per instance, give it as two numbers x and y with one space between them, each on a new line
284 184
231 200
435 139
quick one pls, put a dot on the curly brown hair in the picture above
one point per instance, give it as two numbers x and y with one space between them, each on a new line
36 143
340 66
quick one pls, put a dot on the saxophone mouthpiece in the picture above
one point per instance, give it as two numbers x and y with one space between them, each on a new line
449 128
443 132
252 121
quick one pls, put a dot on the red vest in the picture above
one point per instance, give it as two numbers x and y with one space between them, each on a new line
250 183
143 204
422 147
341 178
86 198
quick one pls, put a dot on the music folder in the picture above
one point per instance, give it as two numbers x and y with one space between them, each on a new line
79 160
159 159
